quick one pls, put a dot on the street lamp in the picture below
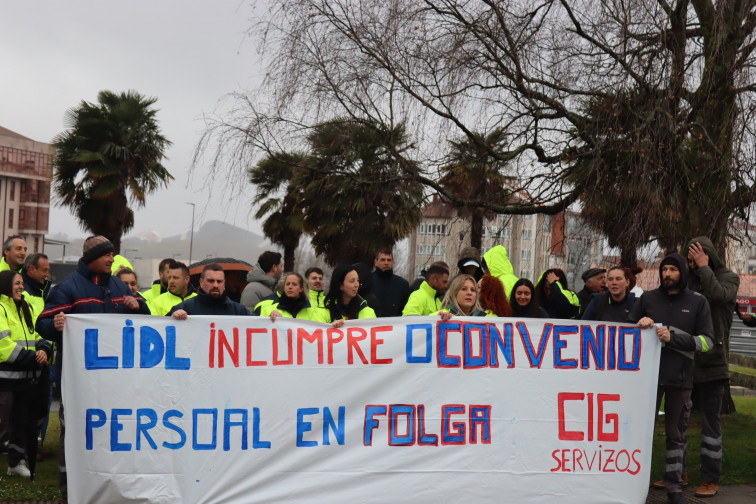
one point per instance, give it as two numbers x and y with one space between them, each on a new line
191 238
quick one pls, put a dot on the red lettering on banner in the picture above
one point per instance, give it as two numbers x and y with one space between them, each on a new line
354 336
375 342
250 332
601 418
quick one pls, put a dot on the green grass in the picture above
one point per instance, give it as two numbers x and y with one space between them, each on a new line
738 461
45 484
744 370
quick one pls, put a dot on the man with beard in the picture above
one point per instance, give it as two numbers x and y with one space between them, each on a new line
211 298
683 325
711 372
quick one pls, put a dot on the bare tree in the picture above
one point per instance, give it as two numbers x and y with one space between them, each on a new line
659 91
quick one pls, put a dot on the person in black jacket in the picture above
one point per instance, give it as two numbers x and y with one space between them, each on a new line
391 290
711 372
211 298
684 327
614 305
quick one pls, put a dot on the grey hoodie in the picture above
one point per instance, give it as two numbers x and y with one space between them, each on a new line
260 286
720 287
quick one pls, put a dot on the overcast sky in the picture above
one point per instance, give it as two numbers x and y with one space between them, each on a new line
186 53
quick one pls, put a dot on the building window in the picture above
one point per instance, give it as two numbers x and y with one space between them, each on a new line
10 218
36 244
13 190
432 229
527 234
524 273
525 255
431 250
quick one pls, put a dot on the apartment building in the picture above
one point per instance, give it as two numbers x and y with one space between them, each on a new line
25 179
534 242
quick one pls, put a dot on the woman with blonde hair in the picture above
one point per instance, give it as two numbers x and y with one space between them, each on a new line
461 299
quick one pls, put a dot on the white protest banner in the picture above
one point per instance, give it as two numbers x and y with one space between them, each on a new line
243 410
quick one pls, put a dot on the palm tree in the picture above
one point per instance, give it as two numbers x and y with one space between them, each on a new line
109 156
474 173
356 198
284 224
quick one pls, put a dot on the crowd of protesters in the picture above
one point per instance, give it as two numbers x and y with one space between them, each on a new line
691 313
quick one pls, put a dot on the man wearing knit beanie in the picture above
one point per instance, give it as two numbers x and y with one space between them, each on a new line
683 326
89 289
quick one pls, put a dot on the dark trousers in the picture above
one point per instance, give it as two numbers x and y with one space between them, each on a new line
62 476
677 406
708 397
15 416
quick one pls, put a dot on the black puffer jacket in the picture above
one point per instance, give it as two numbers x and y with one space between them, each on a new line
720 287
688 317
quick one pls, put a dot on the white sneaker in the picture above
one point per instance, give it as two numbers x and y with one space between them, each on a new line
20 470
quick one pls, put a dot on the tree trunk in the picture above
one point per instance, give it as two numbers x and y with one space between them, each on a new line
289 257
476 230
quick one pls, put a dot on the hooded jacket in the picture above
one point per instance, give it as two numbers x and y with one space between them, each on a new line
688 317
499 265
18 346
260 286
424 301
720 288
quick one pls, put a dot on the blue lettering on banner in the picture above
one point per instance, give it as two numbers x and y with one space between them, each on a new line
91 423
559 344
505 345
428 330
178 430
592 344
115 428
481 330
213 412
142 429
329 425
228 423
634 363
152 349
147 420
256 443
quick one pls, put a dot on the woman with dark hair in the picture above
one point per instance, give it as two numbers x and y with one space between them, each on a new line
524 302
555 297
492 297
461 299
23 353
293 302
343 301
